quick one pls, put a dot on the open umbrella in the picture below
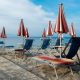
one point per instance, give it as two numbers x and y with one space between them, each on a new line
3 35
72 32
44 33
27 34
49 30
61 24
21 30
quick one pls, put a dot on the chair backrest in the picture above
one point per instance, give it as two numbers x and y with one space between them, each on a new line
75 44
46 43
28 44
57 42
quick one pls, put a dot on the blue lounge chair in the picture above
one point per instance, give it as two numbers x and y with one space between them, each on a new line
27 46
45 44
1 42
66 59
75 44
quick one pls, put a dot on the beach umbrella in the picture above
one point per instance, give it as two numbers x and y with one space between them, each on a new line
61 24
49 30
27 34
3 35
44 33
21 30
72 32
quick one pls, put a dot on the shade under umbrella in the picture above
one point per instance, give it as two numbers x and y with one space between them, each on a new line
27 34
72 32
3 33
21 30
61 24
49 30
44 33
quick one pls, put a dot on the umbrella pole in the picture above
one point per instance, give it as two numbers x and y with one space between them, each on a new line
4 44
50 41
60 45
23 43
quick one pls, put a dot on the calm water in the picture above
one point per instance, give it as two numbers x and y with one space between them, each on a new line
37 41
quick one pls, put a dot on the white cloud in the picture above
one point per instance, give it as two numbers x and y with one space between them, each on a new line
35 18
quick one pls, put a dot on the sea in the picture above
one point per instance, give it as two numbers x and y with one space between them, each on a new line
17 41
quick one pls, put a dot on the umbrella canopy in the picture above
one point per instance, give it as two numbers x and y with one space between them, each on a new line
49 30
61 24
44 33
21 31
27 34
72 32
3 33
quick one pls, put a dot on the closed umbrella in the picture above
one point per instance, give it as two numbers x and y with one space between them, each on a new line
21 30
3 35
44 33
27 34
49 30
61 24
72 32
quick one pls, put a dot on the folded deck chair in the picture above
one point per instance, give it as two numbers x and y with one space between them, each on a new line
27 46
75 44
45 44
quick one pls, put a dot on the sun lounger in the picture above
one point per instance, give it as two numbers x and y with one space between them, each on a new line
45 44
67 60
1 42
27 47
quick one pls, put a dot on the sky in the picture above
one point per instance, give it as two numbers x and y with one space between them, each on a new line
36 14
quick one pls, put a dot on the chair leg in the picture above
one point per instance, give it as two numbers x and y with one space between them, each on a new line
55 71
71 70
72 73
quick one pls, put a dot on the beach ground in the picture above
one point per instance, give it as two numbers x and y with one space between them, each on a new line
12 68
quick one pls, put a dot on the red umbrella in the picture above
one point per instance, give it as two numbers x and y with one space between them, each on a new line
72 33
21 31
3 34
49 30
61 24
44 33
27 34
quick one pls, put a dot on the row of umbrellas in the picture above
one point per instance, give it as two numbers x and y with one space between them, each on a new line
60 26
49 31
